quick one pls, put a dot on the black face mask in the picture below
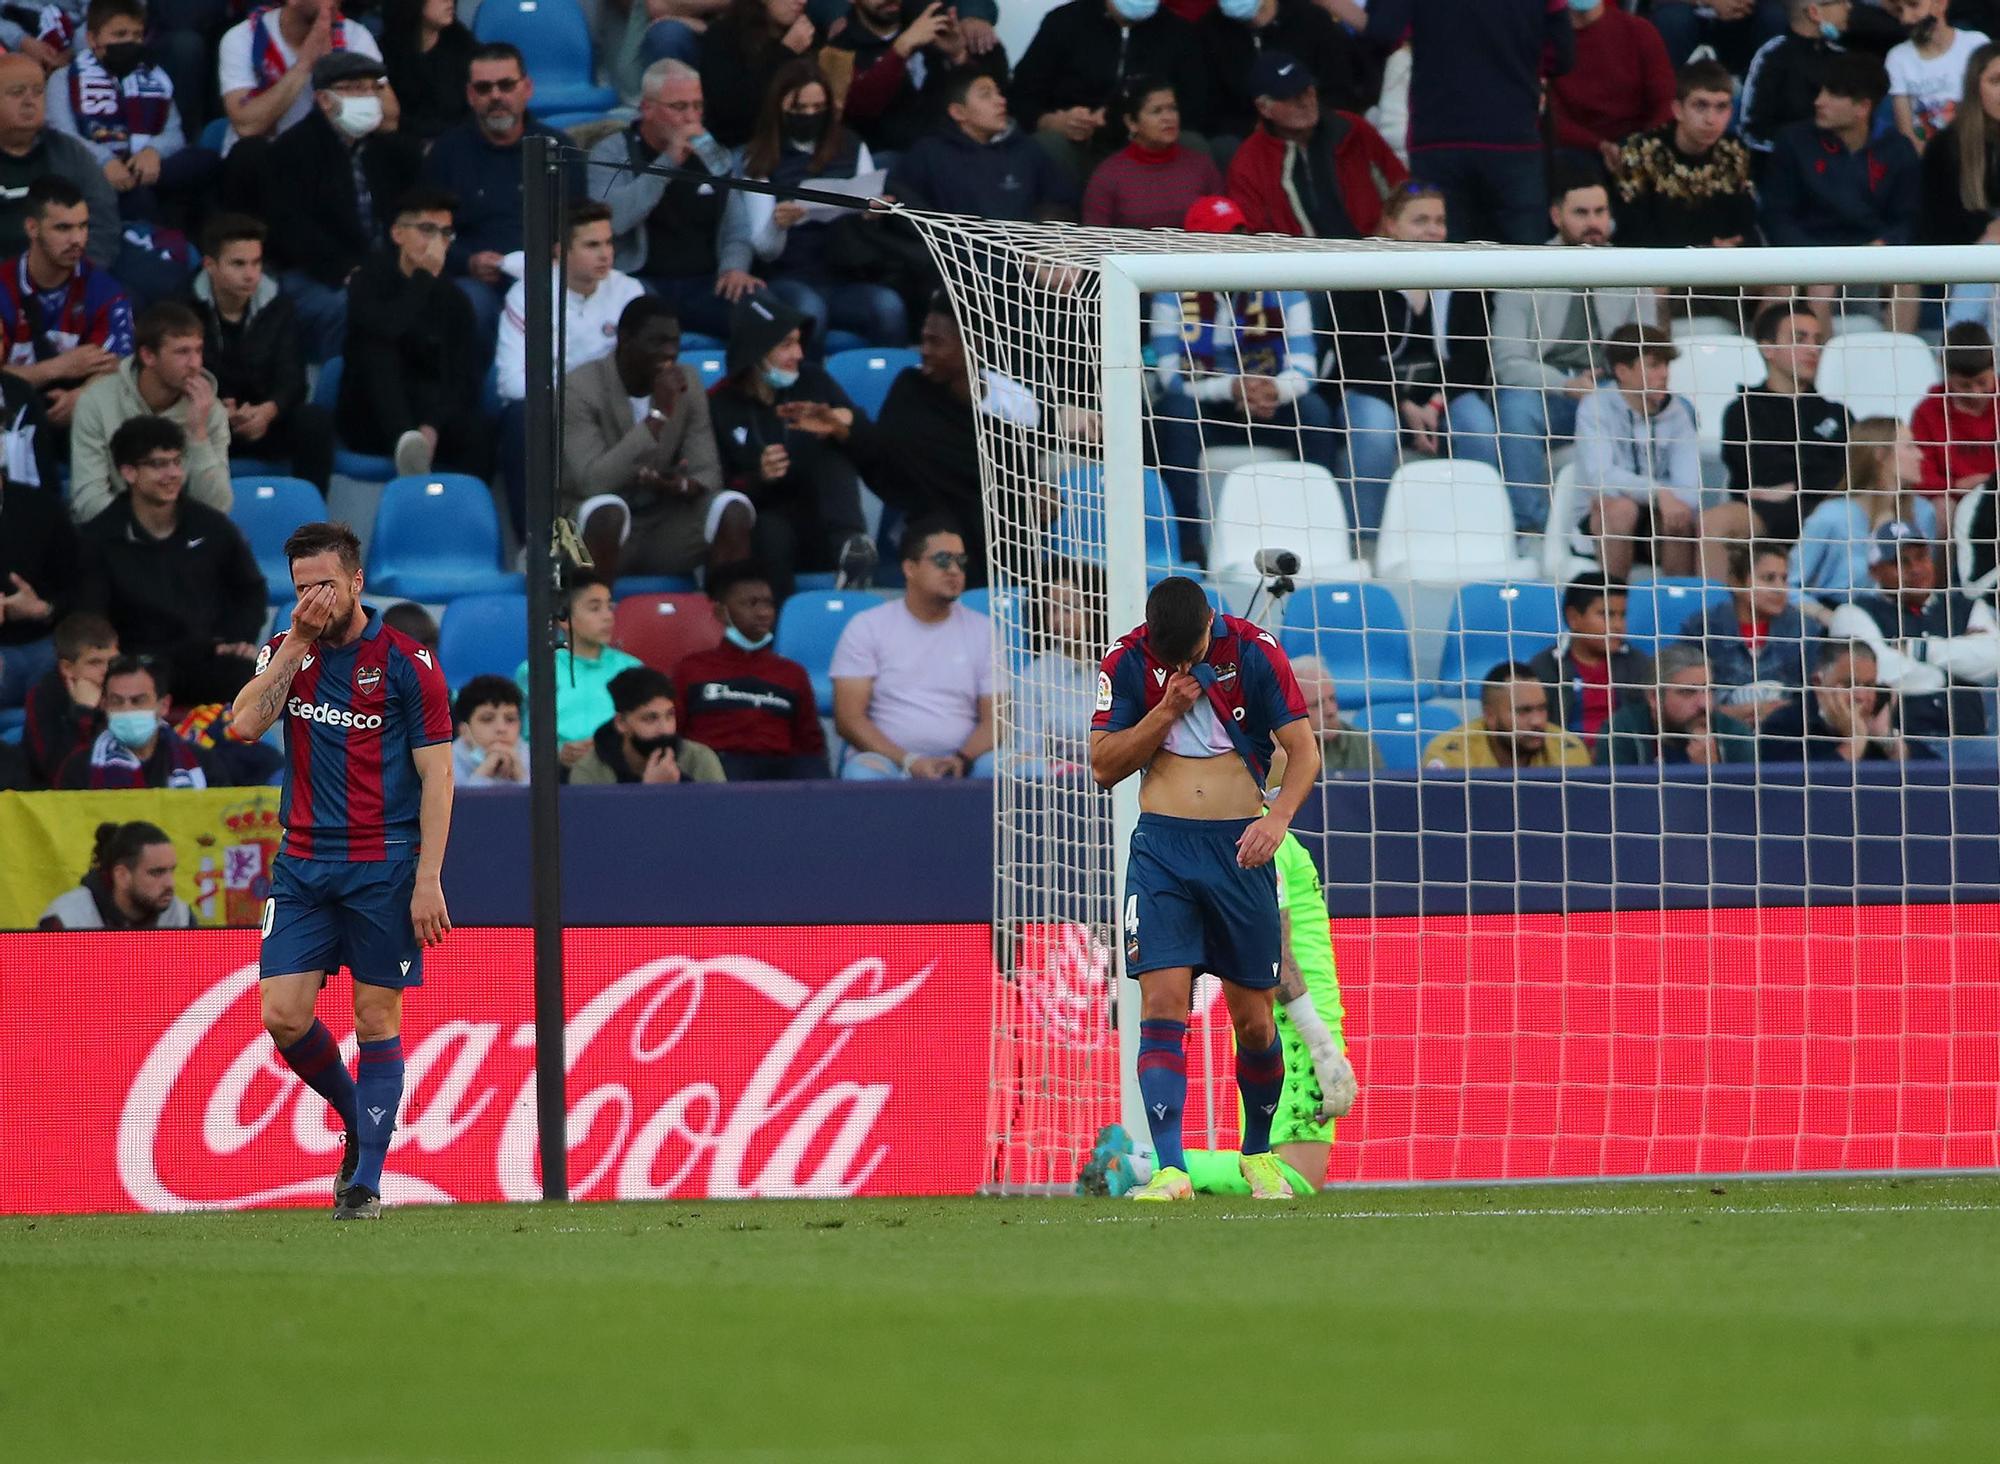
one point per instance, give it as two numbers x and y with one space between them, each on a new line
805 128
647 746
124 58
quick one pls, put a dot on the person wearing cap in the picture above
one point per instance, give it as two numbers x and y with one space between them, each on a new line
1308 171
339 174
267 65
783 427
1153 181
1934 647
1066 83
1638 460
1230 369
1345 67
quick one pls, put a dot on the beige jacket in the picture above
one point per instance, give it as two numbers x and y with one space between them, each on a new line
107 404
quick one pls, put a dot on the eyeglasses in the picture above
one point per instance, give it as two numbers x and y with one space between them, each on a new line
506 87
433 231
945 559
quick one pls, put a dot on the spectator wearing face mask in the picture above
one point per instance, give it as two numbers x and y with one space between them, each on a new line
136 749
752 705
1345 68
489 751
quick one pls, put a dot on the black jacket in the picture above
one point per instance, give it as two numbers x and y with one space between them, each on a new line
1780 87
1770 439
1346 68
1945 218
197 586
745 426
735 77
412 354
311 201
56 727
430 85
263 362
1631 674
1374 343
38 544
1080 56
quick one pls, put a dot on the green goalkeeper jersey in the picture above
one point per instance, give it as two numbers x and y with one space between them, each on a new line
1303 901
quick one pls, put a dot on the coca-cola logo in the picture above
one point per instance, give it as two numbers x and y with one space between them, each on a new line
724 1076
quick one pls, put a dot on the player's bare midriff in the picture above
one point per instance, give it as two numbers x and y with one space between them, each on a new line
1199 787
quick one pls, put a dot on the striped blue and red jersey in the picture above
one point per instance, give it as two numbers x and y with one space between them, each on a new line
354 718
1246 674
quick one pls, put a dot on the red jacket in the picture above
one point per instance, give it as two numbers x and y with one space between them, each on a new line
1622 83
1955 444
1366 167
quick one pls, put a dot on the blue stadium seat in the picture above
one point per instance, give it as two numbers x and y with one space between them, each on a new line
1357 631
809 628
834 342
865 375
436 537
215 134
1078 532
1491 623
367 467
711 365
267 509
13 722
655 584
555 39
483 635
1400 730
1658 608
694 340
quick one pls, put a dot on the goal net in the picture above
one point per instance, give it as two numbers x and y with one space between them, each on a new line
1658 830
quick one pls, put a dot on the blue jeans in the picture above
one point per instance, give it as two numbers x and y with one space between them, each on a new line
1374 446
1183 428
1735 41
873 767
669 40
873 312
1529 417
1501 197
321 311
22 666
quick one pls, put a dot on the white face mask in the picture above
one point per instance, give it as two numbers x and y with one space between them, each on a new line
358 116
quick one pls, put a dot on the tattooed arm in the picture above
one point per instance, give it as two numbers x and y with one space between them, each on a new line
259 703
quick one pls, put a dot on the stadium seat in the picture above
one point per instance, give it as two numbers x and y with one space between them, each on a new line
436 537
215 134
1491 623
555 39
367 467
1656 609
1449 521
655 584
1358 632
694 340
1400 732
865 375
1282 505
13 722
711 364
1078 532
1710 372
809 628
1560 560
661 629
267 509
483 635
1879 375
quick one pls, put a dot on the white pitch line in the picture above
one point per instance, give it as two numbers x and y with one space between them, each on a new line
1529 1212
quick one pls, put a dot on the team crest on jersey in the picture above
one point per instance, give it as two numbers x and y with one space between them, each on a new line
367 679
263 660
1103 692
1225 671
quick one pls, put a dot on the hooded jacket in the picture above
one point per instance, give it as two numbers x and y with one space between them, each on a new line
1365 168
1009 178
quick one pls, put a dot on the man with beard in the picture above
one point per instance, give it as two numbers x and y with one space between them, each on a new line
1513 730
129 885
642 742
64 320
366 809
1672 724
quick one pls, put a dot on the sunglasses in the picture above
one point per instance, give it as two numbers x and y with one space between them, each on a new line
505 87
945 559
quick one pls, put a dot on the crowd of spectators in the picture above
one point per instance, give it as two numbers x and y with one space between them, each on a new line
169 288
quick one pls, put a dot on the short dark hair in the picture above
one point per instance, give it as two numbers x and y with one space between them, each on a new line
308 540
83 630
727 577
1709 76
158 324
423 199
920 531
484 691
119 845
1132 96
1630 342
1968 349
576 582
643 311
1587 589
1743 555
633 687
582 215
152 667
958 83
1565 178
1764 330
138 438
500 51
1504 675
1178 615
103 12
1855 75
231 228
413 620
52 190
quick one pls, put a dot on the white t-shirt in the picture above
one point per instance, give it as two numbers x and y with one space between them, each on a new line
928 677
1933 84
236 73
591 331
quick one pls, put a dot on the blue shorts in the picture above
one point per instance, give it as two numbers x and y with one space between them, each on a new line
327 913
1188 902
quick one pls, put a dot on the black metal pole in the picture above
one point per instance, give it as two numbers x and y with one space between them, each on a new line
541 176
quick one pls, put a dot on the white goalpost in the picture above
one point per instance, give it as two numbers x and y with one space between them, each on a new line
1578 970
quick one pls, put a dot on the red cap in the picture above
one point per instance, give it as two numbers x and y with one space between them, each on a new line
1215 215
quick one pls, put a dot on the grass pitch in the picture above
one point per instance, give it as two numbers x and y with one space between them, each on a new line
1812 1321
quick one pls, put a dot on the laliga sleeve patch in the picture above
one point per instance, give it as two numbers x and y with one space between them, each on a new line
1104 691
263 660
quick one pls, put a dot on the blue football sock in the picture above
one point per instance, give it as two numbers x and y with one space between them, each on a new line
381 1094
1163 1087
1260 1078
315 1057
